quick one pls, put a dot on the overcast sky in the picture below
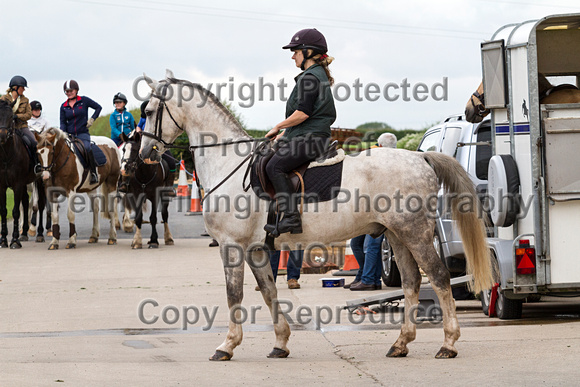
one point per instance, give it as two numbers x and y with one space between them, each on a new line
106 44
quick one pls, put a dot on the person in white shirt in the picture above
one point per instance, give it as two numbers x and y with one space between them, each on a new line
37 123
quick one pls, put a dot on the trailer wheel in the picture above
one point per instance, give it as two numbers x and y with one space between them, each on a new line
485 296
507 309
390 275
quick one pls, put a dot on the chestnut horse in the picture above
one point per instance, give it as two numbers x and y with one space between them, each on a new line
380 173
475 110
64 174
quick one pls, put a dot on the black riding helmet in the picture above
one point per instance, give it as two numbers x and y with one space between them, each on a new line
18 81
71 85
309 38
35 105
119 97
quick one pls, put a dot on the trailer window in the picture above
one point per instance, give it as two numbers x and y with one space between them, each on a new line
430 142
482 153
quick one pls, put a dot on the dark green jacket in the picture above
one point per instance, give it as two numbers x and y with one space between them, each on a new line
324 113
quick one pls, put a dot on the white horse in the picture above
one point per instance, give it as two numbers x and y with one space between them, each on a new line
381 174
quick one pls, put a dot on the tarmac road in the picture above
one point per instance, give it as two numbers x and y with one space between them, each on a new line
72 316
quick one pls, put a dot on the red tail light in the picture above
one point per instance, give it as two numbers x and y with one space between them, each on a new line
525 258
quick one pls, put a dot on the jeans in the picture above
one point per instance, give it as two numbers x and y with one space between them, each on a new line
294 264
367 252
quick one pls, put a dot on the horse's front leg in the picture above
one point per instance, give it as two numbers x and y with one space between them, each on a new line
165 217
94 200
72 234
153 241
55 226
138 238
18 194
4 216
411 282
259 262
233 261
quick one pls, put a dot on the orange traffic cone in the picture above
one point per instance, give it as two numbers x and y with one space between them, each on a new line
283 264
182 182
195 200
350 262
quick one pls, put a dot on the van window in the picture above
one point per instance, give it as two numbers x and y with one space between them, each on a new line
482 153
430 142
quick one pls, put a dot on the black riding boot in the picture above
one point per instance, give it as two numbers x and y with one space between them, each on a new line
287 205
92 168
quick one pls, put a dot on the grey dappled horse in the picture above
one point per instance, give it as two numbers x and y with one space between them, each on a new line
379 173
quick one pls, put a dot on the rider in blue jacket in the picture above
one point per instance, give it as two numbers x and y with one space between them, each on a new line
121 120
75 121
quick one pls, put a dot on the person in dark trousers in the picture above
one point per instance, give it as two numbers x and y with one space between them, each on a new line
309 113
75 121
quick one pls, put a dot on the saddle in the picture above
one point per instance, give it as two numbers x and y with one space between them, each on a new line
262 186
81 152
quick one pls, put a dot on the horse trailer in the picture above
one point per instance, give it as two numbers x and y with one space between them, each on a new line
533 175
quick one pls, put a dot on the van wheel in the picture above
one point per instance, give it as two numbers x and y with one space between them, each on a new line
505 308
391 276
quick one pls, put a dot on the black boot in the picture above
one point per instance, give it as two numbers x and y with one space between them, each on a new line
287 207
94 178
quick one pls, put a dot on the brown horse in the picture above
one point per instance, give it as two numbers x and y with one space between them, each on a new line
475 110
64 174
145 182
15 173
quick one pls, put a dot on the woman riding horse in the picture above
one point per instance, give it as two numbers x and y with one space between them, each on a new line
74 120
309 113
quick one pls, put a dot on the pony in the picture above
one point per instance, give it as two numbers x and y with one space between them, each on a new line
475 110
15 173
387 177
144 182
64 174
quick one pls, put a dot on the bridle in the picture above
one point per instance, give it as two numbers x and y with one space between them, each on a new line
158 136
132 164
40 168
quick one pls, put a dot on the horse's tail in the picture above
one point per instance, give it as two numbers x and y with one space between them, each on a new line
471 227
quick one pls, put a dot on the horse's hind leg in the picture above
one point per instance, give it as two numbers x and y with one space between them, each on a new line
94 200
259 262
234 270
439 278
72 234
55 227
18 195
411 282
25 225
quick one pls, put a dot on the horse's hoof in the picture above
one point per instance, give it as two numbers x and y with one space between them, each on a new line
278 353
32 232
136 246
220 356
3 244
53 247
117 227
153 245
15 244
71 246
397 352
93 240
49 234
445 353
169 242
128 229
111 242
39 239
23 238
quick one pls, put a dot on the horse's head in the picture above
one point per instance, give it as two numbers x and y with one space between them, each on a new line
6 121
130 151
475 110
46 144
164 117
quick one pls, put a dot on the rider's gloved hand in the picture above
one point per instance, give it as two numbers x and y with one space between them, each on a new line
90 122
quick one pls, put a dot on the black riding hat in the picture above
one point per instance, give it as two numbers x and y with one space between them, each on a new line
35 105
119 97
18 81
308 38
143 107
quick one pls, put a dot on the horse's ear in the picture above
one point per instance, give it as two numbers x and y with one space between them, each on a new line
50 135
123 137
169 74
152 83
36 135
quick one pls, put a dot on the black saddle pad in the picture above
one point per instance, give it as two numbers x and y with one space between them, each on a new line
100 158
320 183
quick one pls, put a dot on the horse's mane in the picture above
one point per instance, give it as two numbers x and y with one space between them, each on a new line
226 114
59 134
5 104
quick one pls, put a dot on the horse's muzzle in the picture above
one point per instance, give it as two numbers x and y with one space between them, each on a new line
150 154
